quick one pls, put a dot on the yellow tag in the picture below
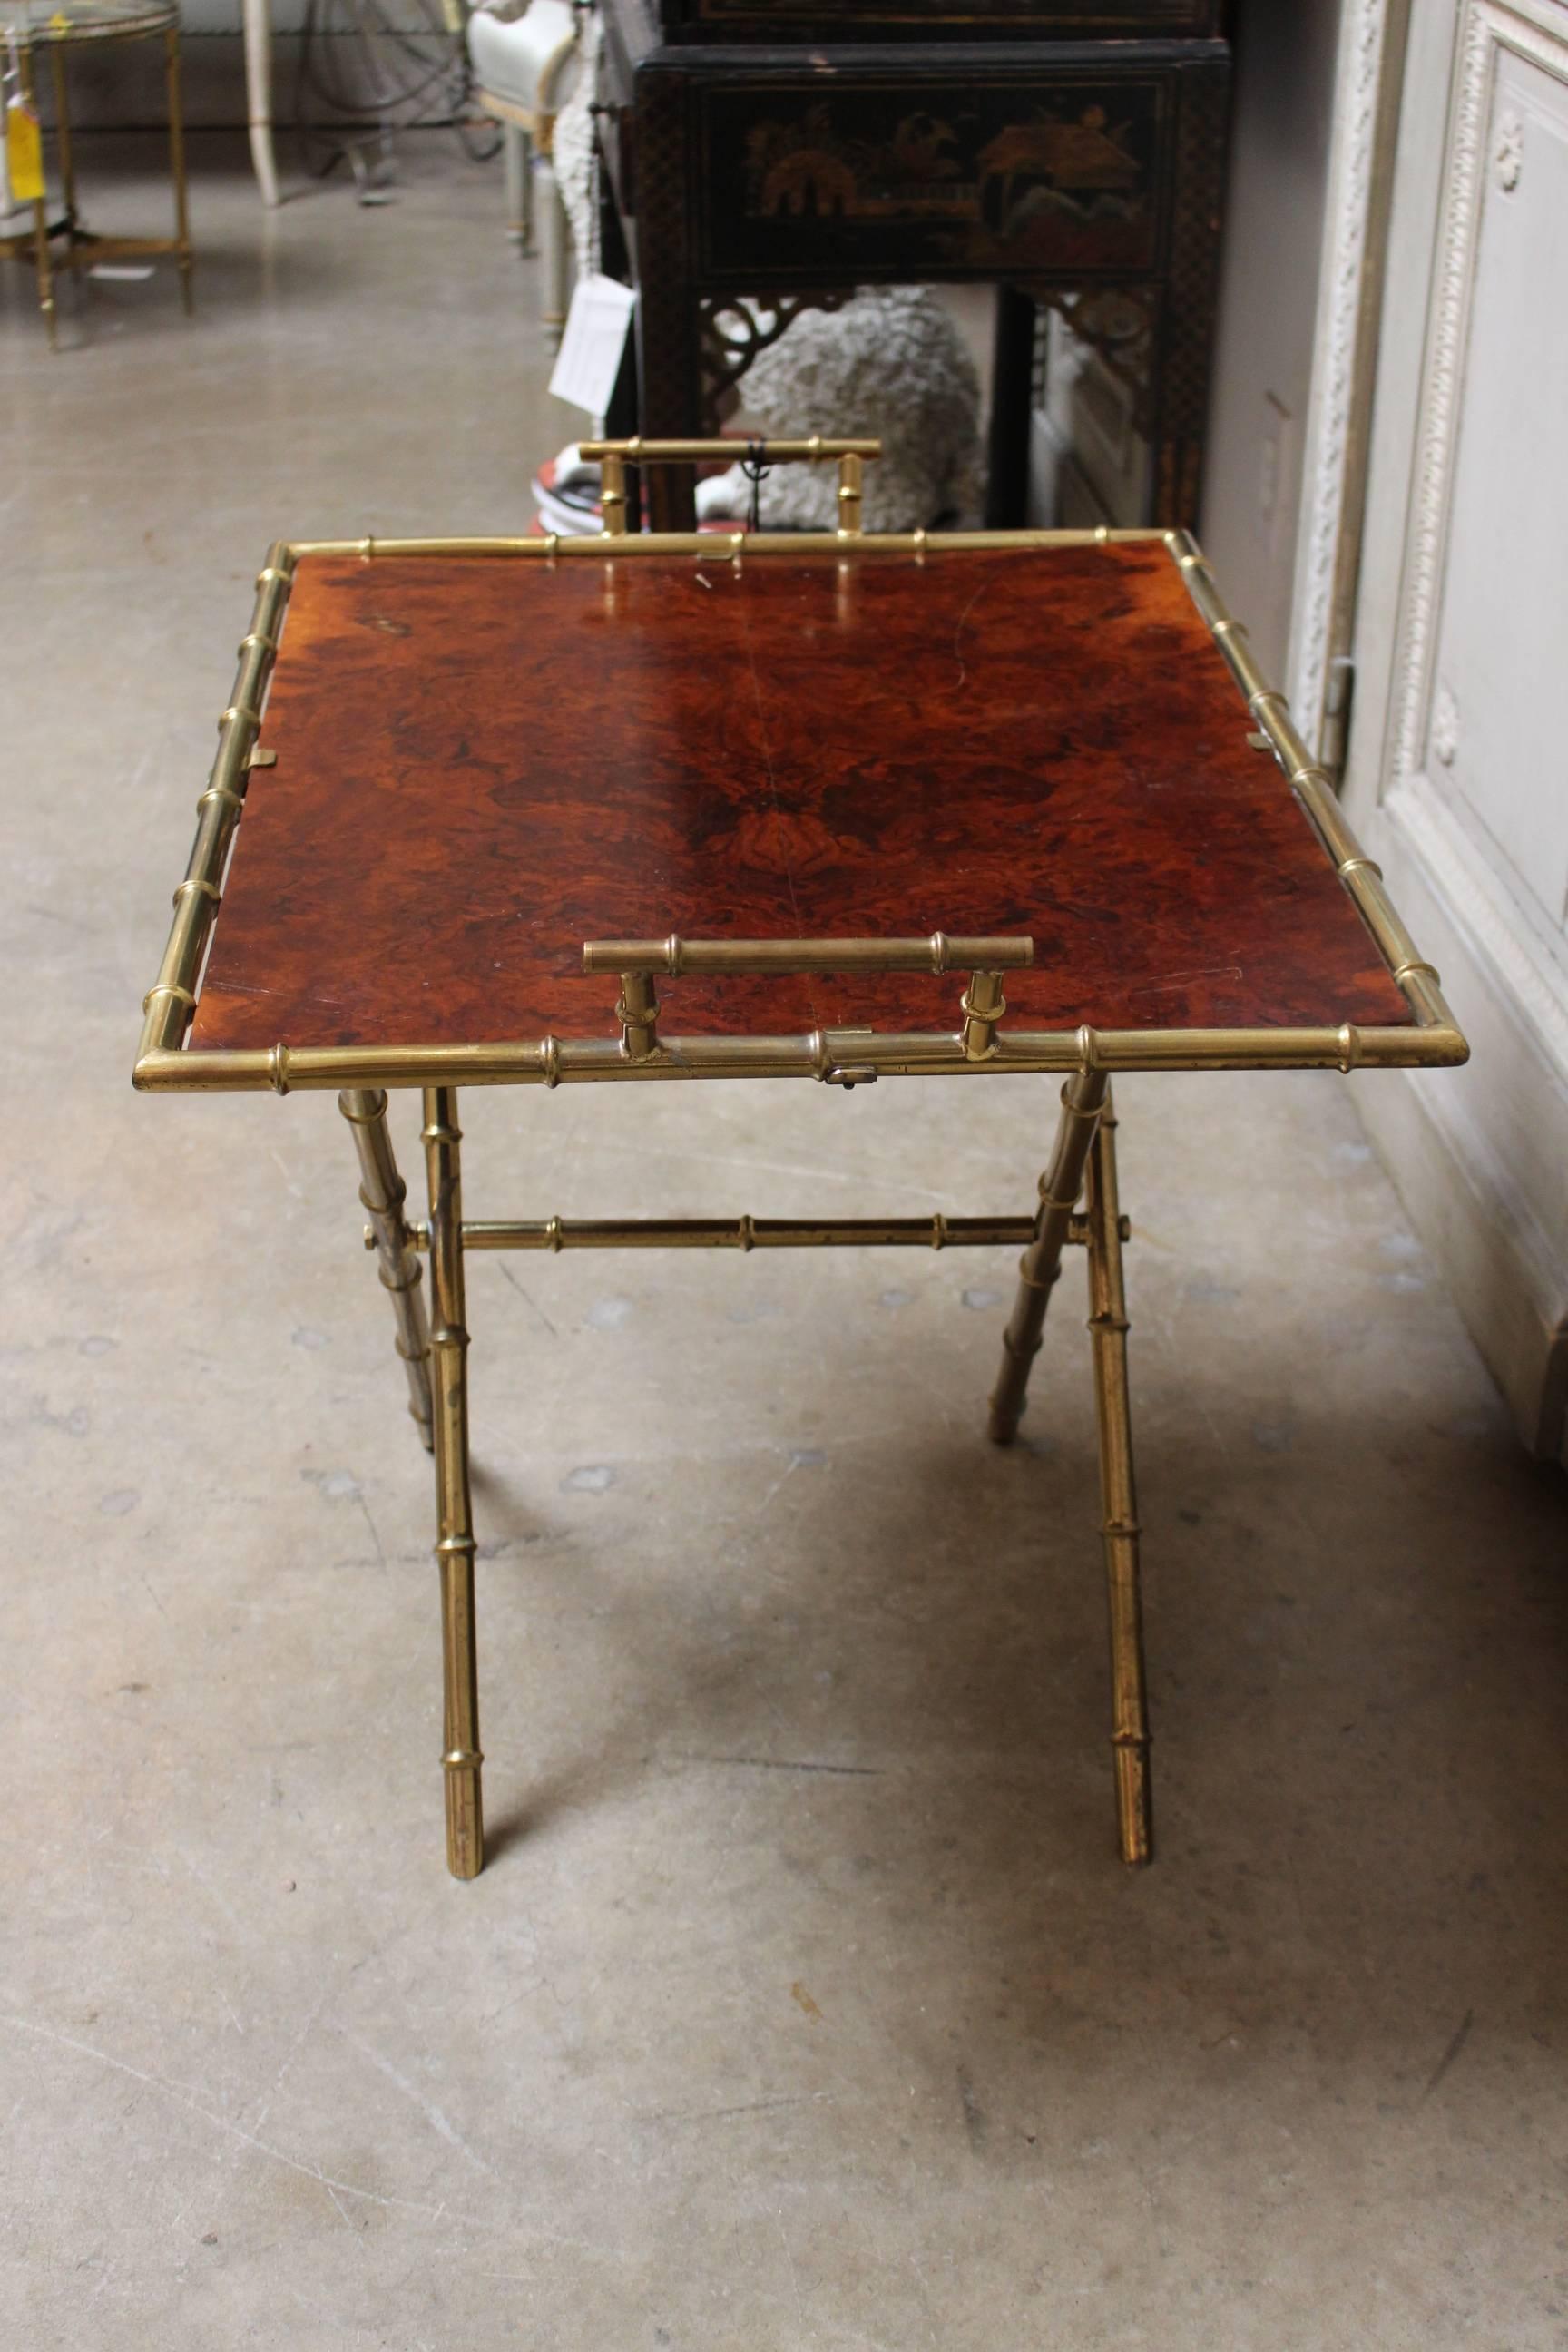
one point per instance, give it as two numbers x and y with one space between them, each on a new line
24 154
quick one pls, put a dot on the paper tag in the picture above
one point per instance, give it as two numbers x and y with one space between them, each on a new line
24 154
593 344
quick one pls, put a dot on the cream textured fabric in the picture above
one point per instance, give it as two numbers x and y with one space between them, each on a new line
576 164
510 46
891 364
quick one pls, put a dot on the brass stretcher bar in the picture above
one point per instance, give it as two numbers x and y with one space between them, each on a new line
1401 1018
556 1234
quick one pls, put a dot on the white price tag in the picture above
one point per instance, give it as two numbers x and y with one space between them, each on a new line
593 344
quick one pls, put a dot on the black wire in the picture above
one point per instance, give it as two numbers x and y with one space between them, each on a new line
756 469
360 70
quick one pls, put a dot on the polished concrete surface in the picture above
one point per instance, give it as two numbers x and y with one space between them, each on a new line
803 2002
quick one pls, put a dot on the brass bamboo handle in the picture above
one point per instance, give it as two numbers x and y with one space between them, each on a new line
613 457
636 961
939 952
639 452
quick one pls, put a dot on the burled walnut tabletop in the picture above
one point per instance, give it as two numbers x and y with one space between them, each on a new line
482 764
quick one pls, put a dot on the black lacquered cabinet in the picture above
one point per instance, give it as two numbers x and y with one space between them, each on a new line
867 20
1086 174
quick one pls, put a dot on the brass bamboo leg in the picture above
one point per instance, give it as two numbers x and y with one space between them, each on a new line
1042 1261
461 1756
1119 1497
177 164
383 1192
40 206
63 135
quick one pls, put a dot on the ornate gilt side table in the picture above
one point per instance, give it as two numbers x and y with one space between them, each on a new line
59 26
826 774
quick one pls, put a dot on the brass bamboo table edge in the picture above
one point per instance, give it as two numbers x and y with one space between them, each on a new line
1078 1192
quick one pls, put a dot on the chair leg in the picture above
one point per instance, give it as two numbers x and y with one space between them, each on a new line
255 17
461 1756
1042 1261
1119 1497
383 1193
178 167
517 154
41 258
63 136
557 254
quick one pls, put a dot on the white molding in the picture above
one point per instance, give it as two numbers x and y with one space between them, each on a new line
1501 929
1477 1154
1342 354
1536 31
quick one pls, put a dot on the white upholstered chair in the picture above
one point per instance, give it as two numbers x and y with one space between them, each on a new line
525 56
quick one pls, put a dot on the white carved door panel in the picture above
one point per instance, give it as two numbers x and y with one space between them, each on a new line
1457 766
1488 703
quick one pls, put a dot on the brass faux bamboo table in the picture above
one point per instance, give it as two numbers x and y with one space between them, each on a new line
823 774
58 25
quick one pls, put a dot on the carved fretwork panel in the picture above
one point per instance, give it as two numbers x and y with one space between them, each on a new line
735 330
1118 323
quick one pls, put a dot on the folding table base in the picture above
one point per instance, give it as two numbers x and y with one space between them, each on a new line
434 1357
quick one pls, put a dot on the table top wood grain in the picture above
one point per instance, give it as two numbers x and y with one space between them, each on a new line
482 763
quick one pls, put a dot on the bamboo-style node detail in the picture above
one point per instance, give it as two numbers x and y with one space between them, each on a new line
461 1752
983 1006
636 1010
744 1233
816 449
849 496
938 952
169 1004
1119 1528
1360 875
612 458
1060 1189
612 493
383 1196
169 988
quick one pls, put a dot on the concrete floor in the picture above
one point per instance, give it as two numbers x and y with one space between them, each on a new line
802 2003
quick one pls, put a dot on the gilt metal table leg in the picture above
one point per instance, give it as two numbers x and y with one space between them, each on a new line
1119 1497
41 260
63 136
383 1192
1042 1261
461 1758
517 149
177 165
